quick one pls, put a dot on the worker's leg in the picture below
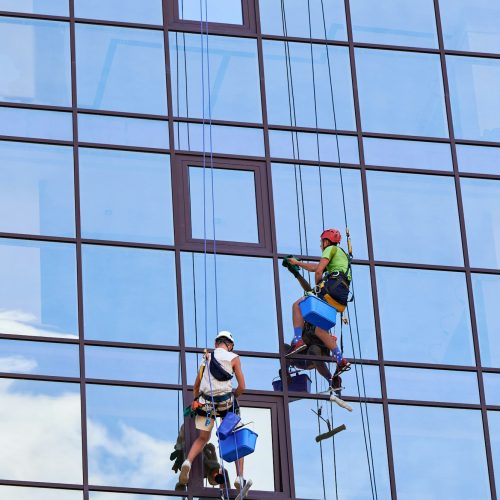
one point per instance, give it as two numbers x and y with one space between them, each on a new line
330 341
198 445
297 320
320 366
239 467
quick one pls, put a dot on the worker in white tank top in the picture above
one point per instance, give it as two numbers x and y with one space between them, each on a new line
214 388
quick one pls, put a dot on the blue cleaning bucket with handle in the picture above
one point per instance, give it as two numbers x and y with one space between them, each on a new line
229 422
238 444
318 312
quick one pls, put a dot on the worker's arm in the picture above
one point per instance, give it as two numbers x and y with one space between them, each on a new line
238 372
308 266
320 269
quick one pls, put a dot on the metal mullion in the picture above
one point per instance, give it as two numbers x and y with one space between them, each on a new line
55 142
184 152
79 277
229 123
118 24
383 386
132 383
36 237
312 130
33 338
27 15
41 485
122 114
468 275
33 106
45 378
129 345
128 244
117 147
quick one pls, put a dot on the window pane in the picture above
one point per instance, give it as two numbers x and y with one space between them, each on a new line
145 11
291 291
478 159
41 425
48 7
414 218
303 196
129 295
36 62
140 365
481 200
280 101
444 316
353 478
385 80
432 385
249 311
394 22
219 139
38 292
494 427
35 123
126 196
492 388
297 18
131 433
234 92
435 437
121 69
407 154
471 25
105 495
36 189
123 131
212 11
304 146
39 358
233 208
486 292
22 493
474 107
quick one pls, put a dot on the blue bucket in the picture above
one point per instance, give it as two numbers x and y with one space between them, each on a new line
238 445
299 382
229 422
318 312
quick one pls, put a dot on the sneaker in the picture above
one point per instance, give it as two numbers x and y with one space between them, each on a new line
242 490
340 402
185 470
237 483
343 366
336 384
299 346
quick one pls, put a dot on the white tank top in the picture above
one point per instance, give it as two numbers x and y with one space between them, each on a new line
209 384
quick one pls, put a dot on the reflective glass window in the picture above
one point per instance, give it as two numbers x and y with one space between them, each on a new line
139 365
353 476
394 22
132 11
471 25
129 295
492 388
233 201
121 69
38 292
494 428
36 123
48 7
435 437
481 200
304 195
219 139
233 91
424 316
432 385
36 64
123 131
131 434
106 495
297 13
41 426
478 159
39 358
407 154
414 218
474 107
298 109
249 311
22 493
304 146
126 196
385 80
212 11
363 322
486 292
36 189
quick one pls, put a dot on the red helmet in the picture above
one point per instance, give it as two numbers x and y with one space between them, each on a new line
331 234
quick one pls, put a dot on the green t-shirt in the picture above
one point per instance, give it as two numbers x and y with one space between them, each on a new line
338 259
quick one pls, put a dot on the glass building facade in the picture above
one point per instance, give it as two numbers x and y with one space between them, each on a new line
128 139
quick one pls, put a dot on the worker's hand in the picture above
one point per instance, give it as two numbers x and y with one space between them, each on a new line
195 405
293 261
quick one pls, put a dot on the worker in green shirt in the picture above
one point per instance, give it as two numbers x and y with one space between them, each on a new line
332 276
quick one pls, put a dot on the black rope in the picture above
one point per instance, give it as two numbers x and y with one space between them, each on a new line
318 409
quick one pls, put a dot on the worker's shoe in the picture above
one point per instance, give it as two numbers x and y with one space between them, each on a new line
340 402
185 470
242 486
297 347
343 366
336 384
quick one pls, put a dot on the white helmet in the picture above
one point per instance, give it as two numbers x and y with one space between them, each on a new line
224 334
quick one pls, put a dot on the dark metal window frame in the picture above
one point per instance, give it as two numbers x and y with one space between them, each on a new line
169 22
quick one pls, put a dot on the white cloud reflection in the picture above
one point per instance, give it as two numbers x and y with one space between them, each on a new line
17 322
